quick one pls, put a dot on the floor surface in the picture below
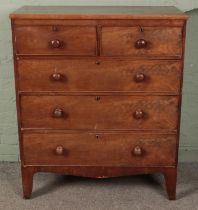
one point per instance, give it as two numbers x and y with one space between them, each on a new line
57 192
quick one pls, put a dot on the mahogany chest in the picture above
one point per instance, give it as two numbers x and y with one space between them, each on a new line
98 90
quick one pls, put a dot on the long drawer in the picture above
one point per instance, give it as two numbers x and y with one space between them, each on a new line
99 112
56 40
104 75
142 41
100 149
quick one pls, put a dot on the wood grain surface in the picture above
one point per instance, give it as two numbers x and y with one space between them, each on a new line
104 149
98 90
104 75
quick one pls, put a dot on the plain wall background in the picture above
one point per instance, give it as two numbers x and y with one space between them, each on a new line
189 125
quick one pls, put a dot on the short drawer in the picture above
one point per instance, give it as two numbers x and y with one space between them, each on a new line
103 75
140 42
99 112
99 149
55 40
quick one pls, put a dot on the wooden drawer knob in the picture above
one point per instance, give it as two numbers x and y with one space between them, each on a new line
138 114
141 43
59 150
139 77
56 76
137 151
58 113
56 43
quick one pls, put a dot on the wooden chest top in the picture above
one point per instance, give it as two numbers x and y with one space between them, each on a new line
98 12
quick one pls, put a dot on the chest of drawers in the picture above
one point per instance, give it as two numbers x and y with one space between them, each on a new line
98 90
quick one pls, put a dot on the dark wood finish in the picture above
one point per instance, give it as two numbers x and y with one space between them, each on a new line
141 43
103 74
98 90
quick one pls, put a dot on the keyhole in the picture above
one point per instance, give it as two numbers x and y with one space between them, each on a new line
98 62
141 29
97 98
54 28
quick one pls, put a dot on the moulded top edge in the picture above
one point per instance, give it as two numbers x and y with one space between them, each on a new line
98 12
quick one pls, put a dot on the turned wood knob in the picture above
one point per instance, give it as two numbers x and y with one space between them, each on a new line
138 114
137 151
139 77
59 150
58 113
141 43
56 43
56 76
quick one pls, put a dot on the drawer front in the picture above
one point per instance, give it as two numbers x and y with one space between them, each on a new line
150 41
109 75
99 112
66 40
99 149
